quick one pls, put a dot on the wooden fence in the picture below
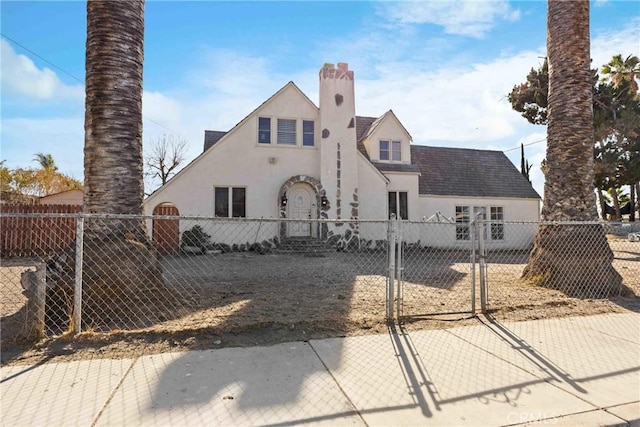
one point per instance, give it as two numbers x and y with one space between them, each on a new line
25 236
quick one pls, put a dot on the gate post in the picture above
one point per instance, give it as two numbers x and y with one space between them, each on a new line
399 268
77 292
472 231
483 264
391 267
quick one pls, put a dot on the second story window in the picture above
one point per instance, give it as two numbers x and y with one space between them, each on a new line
396 155
390 150
264 130
308 133
286 132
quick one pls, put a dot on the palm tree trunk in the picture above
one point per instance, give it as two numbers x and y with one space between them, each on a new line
616 204
122 277
632 203
602 201
113 162
568 194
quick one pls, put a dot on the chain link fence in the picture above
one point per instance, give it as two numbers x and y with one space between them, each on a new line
578 269
231 275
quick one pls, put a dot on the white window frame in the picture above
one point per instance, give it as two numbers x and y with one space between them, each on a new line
270 130
393 151
497 224
229 202
313 133
283 134
463 220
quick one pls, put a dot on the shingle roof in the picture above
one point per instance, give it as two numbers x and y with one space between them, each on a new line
467 172
362 126
396 167
211 137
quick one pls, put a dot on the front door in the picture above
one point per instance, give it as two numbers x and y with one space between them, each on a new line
299 209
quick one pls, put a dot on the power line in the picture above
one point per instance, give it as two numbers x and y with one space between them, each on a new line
526 145
42 58
68 73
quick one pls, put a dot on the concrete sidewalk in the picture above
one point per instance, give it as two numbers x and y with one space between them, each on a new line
575 371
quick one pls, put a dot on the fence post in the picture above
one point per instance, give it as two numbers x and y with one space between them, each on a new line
472 231
399 268
34 285
483 265
391 267
77 292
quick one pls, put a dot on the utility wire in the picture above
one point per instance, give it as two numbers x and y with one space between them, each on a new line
526 145
44 59
68 73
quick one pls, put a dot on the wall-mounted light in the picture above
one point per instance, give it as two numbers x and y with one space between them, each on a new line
283 200
324 201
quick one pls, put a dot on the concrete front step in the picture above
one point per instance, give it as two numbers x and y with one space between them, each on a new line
304 245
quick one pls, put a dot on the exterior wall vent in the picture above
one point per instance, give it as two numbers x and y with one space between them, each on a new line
272 160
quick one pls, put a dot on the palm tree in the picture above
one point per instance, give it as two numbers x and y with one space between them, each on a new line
121 271
623 70
46 161
624 73
113 115
568 191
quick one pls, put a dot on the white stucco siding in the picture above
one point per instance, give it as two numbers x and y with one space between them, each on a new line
237 160
389 130
290 103
520 216
514 209
409 183
372 191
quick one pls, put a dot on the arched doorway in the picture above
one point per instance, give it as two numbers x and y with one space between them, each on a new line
318 206
166 232
301 206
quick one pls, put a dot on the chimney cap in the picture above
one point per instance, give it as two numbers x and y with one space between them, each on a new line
343 66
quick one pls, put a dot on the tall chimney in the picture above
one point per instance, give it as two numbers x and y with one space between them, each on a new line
338 148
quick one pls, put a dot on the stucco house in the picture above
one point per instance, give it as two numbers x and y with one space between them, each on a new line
68 197
292 159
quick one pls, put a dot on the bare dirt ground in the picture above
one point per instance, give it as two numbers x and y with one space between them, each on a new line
246 299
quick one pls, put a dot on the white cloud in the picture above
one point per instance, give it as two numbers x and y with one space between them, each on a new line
606 44
467 18
161 109
21 77
62 138
463 106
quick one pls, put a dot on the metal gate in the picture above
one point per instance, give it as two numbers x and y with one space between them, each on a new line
435 268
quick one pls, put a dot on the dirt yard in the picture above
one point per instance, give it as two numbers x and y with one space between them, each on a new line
245 299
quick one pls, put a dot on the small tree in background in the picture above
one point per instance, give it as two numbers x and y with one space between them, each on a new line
525 167
164 158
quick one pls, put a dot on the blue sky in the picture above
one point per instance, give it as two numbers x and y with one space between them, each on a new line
444 67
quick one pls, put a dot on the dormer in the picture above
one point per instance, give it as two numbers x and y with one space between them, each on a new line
386 140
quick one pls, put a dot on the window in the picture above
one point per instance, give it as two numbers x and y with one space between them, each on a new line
238 205
391 150
384 150
462 222
497 223
308 133
398 204
237 202
286 132
264 130
221 202
396 154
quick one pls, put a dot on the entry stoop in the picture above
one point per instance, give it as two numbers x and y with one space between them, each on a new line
304 246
